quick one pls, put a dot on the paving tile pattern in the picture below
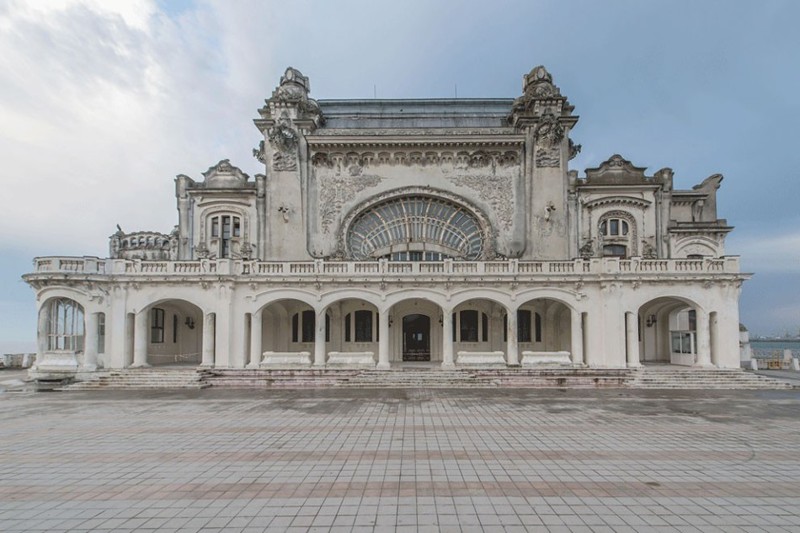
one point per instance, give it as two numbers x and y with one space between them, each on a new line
401 460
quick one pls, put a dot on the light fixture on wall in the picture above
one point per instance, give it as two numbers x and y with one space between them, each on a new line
441 319
189 322
651 320
391 320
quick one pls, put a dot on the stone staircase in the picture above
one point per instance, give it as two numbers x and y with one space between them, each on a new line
644 378
702 378
233 378
143 379
414 378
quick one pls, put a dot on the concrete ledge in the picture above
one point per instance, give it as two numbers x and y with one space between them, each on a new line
481 359
351 359
286 360
534 359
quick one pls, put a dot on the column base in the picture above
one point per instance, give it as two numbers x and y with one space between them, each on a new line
383 366
634 365
140 365
448 365
704 365
253 365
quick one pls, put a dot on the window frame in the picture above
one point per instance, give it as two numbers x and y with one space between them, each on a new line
157 325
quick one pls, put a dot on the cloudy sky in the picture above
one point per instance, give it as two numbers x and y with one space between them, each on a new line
102 103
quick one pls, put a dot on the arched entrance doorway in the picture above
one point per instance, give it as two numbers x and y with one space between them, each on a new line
174 333
416 337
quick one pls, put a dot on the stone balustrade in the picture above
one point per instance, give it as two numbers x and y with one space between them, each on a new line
382 268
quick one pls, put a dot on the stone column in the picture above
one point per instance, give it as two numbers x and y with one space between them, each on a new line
576 341
42 337
140 339
90 336
702 339
383 342
209 338
319 339
512 346
447 339
255 339
632 339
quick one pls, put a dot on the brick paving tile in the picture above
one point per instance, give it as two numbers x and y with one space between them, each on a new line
401 460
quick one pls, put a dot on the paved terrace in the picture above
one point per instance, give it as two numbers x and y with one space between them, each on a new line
401 460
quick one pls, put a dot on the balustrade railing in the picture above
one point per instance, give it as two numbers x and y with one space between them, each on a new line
321 268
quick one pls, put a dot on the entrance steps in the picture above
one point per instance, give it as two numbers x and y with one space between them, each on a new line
669 377
142 379
414 378
643 378
279 379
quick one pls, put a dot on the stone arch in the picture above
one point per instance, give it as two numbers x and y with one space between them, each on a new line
665 332
175 329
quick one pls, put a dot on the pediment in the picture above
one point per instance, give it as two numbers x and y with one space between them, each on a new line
615 170
223 175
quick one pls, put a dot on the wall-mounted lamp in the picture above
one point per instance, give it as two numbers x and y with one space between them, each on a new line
391 320
441 319
651 320
189 322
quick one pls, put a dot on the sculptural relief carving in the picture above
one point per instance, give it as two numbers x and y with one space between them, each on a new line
574 149
284 140
345 161
258 153
549 134
335 191
494 190
426 132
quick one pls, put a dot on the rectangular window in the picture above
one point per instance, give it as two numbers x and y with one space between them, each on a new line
215 227
484 327
454 328
538 327
174 329
614 225
363 326
295 327
226 227
327 327
347 336
505 328
523 325
469 325
156 326
308 326
237 230
101 333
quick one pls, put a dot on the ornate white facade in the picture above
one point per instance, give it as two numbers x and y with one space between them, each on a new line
384 231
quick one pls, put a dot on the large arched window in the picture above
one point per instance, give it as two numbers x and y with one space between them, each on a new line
64 325
416 228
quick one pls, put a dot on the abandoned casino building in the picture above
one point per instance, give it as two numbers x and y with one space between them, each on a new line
442 232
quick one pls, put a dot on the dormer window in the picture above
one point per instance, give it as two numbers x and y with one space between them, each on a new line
224 230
